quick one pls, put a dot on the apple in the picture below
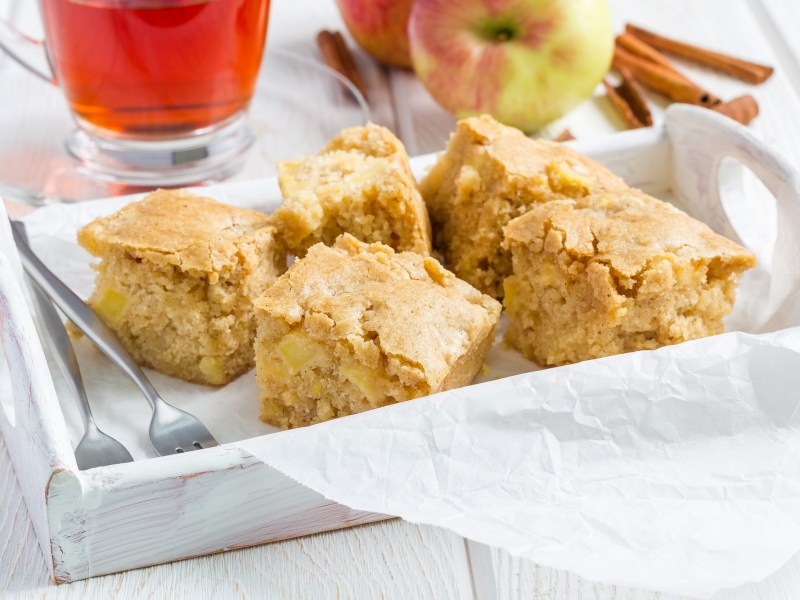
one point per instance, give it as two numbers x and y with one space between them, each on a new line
526 62
380 28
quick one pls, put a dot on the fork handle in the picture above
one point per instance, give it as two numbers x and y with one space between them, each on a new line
63 352
82 317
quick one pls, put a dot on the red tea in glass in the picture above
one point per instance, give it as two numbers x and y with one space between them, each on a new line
156 67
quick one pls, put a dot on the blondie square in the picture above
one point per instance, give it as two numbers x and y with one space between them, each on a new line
489 175
613 273
360 184
356 326
177 279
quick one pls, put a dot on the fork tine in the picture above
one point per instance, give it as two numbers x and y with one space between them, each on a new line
210 443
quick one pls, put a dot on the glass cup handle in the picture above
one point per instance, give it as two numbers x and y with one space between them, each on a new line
27 51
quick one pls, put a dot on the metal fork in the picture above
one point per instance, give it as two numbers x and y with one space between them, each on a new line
171 429
96 449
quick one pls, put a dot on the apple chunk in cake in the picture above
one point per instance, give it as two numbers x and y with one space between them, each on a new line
489 175
360 184
177 280
613 273
357 326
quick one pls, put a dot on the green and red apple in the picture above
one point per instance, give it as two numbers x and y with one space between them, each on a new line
527 62
380 28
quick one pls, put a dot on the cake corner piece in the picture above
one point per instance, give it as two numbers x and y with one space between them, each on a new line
176 280
357 326
361 184
614 273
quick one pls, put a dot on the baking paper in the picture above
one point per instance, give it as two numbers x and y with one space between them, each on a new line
676 469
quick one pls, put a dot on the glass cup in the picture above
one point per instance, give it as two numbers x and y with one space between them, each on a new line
159 89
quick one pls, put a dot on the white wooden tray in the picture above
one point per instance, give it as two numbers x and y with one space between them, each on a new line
159 509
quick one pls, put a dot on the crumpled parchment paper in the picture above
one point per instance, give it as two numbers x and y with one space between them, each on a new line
676 470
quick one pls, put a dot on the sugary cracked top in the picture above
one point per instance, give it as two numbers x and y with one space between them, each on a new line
175 227
624 230
409 304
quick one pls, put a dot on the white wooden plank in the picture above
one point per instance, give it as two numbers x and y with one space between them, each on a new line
21 562
392 560
518 578
483 571
8 10
779 20
17 11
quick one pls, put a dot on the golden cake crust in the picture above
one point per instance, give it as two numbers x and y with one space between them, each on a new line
367 289
371 140
517 155
177 279
624 230
175 227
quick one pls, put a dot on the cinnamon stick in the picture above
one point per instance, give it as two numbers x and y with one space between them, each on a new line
349 63
735 67
338 57
634 45
743 109
564 136
629 100
329 52
663 80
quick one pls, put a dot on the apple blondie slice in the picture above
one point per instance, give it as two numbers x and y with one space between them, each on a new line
613 273
177 279
357 326
489 175
361 184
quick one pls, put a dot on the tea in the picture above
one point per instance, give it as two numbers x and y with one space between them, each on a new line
156 67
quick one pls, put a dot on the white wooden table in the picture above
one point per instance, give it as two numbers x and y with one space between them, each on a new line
394 559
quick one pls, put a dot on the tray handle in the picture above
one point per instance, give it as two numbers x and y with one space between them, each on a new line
701 139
